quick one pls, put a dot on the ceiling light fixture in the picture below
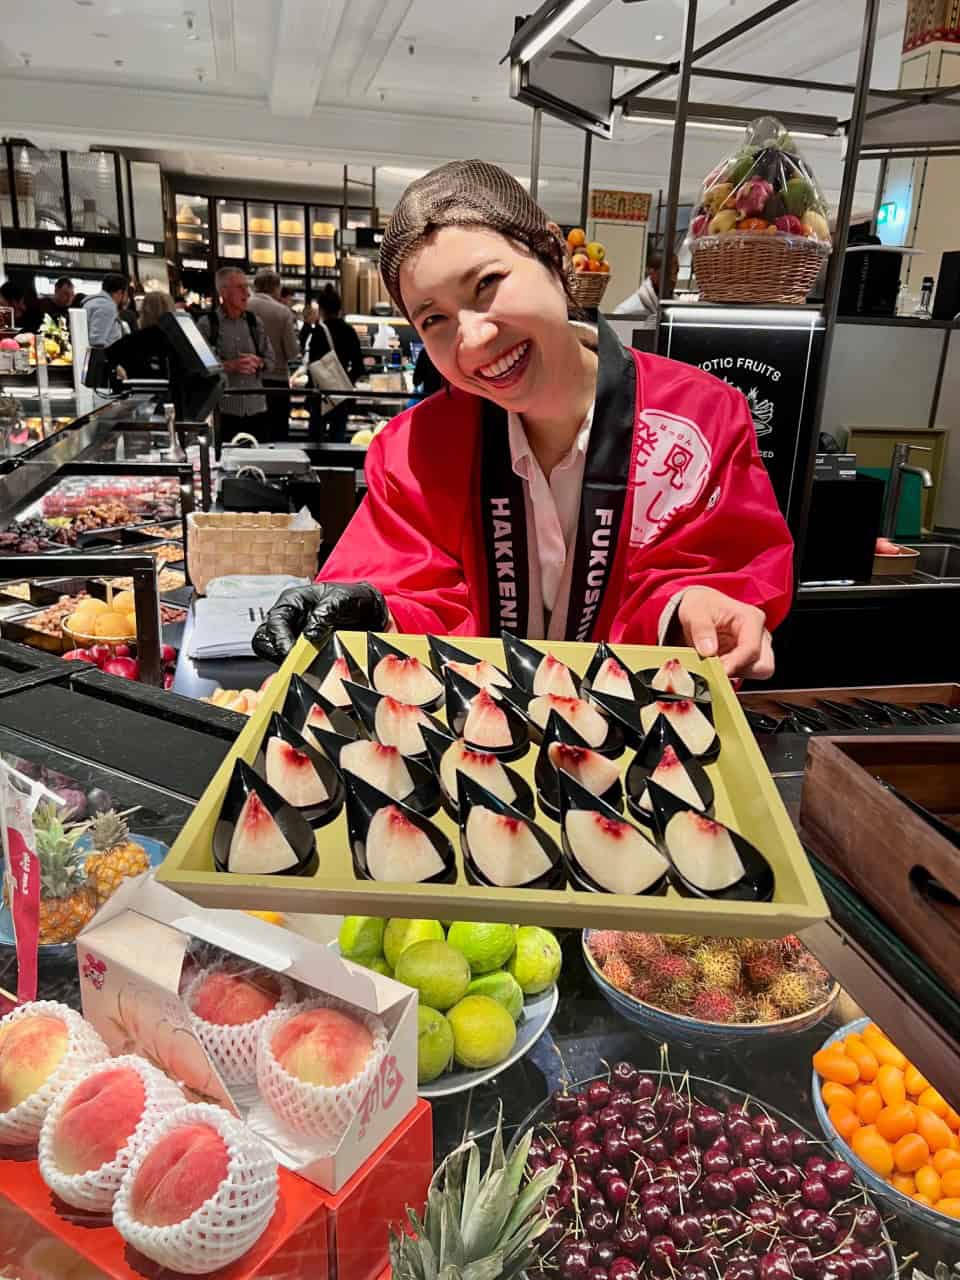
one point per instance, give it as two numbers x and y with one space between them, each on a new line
666 122
554 18
659 36
100 35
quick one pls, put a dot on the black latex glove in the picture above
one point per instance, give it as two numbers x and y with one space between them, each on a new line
315 612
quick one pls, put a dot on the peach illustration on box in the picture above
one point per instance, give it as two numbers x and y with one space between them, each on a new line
154 1025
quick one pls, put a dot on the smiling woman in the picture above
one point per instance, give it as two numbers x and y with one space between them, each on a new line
561 485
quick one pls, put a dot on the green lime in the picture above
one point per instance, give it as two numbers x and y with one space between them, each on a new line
379 965
361 938
401 933
486 946
502 987
434 1044
440 974
483 1032
536 962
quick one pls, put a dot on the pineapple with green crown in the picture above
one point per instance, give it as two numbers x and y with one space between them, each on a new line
67 902
115 856
473 1228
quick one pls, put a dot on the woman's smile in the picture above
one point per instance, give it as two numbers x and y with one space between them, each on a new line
508 368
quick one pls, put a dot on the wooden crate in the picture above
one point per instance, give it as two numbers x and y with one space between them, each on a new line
906 869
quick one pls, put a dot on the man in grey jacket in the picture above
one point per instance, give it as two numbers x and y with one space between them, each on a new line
103 318
280 327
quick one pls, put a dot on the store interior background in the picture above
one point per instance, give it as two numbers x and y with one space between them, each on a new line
341 103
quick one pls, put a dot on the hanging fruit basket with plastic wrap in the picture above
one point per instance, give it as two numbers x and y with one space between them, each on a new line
760 232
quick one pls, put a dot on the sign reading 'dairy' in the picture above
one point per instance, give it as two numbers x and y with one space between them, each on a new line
773 357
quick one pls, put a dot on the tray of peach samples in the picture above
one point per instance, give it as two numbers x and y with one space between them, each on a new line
470 778
195 1070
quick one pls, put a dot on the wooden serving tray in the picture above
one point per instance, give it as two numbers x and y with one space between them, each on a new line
903 695
906 869
746 799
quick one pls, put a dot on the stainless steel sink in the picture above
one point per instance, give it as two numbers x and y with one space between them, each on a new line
939 560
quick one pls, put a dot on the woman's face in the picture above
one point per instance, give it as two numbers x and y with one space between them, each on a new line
492 316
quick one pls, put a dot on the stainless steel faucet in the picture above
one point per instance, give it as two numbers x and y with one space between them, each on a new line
900 466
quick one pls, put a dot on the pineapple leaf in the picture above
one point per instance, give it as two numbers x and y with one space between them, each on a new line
455 1168
530 1199
518 1161
488 1215
489 1268
497 1158
432 1219
471 1185
451 1241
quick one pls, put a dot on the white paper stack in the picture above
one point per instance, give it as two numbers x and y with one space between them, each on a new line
224 625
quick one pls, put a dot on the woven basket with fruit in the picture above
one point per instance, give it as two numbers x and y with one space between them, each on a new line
589 273
759 232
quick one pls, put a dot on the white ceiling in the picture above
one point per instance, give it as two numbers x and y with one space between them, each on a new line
289 90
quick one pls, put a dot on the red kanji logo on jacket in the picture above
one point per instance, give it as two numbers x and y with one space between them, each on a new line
671 465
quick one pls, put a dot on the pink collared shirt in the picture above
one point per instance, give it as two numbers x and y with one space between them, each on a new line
553 513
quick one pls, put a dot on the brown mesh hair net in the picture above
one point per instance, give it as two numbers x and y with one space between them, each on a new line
461 194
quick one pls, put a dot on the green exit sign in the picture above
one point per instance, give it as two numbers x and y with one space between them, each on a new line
887 213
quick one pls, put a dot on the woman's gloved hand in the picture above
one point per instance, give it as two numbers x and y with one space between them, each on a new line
317 610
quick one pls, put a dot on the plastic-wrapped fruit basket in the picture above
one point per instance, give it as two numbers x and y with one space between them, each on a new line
901 1203
678 1028
759 232
720 1098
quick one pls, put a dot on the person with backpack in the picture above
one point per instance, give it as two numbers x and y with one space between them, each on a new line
240 341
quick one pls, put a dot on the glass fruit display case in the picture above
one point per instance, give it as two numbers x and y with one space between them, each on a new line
678 1102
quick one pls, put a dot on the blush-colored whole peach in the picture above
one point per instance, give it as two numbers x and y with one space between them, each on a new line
182 1170
98 1119
230 999
31 1049
322 1046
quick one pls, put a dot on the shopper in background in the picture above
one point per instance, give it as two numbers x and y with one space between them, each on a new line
281 330
332 427
155 304
103 311
311 318
56 305
241 343
128 309
566 487
146 354
645 302
14 295
288 296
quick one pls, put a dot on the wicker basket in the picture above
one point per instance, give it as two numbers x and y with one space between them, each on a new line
248 542
751 267
588 287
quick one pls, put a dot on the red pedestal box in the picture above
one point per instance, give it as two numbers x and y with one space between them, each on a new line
312 1234
375 1199
41 1238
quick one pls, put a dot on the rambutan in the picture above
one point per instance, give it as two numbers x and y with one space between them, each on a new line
793 993
764 970
676 998
791 947
603 943
668 969
717 967
681 942
764 1010
811 966
753 948
640 948
715 1006
617 972
641 989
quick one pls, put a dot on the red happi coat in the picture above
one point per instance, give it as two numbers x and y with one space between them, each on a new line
699 511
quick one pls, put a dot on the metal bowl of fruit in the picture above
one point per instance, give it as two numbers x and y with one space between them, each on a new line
903 1204
688 1177
722 1007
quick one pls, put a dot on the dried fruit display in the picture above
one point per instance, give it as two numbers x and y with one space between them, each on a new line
713 979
